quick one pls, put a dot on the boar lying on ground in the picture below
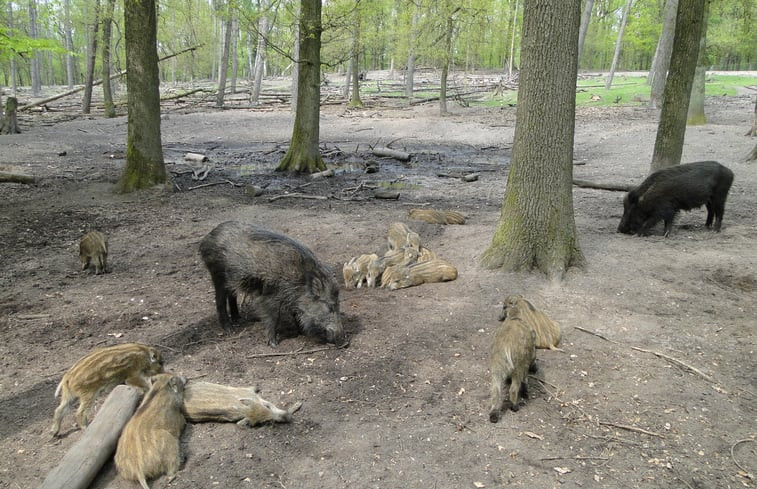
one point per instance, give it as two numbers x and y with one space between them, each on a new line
282 275
435 270
434 216
204 401
512 355
103 369
666 192
547 331
149 444
93 249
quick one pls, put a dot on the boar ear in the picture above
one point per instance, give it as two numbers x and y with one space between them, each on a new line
530 306
246 401
154 356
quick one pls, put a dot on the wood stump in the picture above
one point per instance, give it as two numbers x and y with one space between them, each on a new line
10 122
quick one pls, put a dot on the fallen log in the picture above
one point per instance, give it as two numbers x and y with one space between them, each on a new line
16 178
386 194
84 459
603 186
391 153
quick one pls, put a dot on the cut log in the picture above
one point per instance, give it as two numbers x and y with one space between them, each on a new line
195 157
603 186
10 120
392 153
84 459
322 174
386 194
16 178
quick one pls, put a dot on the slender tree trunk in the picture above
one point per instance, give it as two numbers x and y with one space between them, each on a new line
233 54
585 19
355 64
347 80
296 58
445 64
618 44
672 126
223 67
303 154
260 53
34 61
144 153
410 72
536 228
86 102
110 108
14 74
696 115
753 130
512 41
69 43
659 71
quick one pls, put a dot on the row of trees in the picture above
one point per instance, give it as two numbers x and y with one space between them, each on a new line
384 34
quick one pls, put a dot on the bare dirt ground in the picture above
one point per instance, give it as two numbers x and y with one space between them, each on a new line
666 397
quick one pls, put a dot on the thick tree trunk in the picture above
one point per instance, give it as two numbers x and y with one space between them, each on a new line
618 44
224 65
354 63
109 107
9 123
661 61
585 19
303 154
260 53
696 115
672 126
536 228
86 102
144 153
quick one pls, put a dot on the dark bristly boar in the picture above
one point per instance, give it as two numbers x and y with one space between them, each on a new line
284 278
682 187
93 249
204 401
512 355
149 445
548 333
103 369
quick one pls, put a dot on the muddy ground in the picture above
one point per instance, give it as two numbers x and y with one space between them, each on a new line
665 397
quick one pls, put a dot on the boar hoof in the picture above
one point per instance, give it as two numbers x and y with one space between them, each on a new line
494 416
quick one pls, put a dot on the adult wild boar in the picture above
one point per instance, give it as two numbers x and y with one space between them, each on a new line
666 192
284 278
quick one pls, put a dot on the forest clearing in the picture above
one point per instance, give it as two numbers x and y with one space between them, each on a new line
654 387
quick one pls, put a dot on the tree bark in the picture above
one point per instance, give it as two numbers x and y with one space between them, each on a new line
512 41
260 53
661 61
410 71
445 64
34 61
14 72
585 19
69 43
233 54
618 44
9 123
303 154
672 126
144 153
696 115
536 228
354 63
86 102
224 65
296 59
109 107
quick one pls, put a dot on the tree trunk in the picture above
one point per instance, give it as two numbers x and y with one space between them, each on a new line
347 80
354 63
445 64
224 65
35 61
233 54
260 53
585 19
14 73
512 41
144 154
303 154
661 62
696 115
69 43
618 44
109 107
672 126
410 72
536 228
86 102
753 130
296 59
9 123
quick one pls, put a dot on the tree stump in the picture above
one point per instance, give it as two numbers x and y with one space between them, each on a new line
10 122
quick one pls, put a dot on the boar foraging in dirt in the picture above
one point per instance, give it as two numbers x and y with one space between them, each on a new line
547 331
93 249
103 369
204 401
149 445
512 355
666 192
283 276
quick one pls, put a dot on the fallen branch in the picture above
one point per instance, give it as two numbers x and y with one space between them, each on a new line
16 178
577 457
602 186
215 183
631 428
391 153
747 474
298 351
298 195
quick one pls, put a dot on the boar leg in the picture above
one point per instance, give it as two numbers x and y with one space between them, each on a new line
515 387
496 397
64 407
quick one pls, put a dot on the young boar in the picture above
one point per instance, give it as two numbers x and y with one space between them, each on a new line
434 216
548 333
204 401
355 271
666 192
149 444
103 369
512 355
394 271
282 274
400 236
93 249
436 270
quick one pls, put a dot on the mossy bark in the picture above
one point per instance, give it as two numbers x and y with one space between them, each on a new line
144 153
303 155
696 115
536 229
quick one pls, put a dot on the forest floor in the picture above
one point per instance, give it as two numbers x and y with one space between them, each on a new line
656 385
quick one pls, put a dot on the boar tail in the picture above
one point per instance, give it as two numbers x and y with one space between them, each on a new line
58 389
